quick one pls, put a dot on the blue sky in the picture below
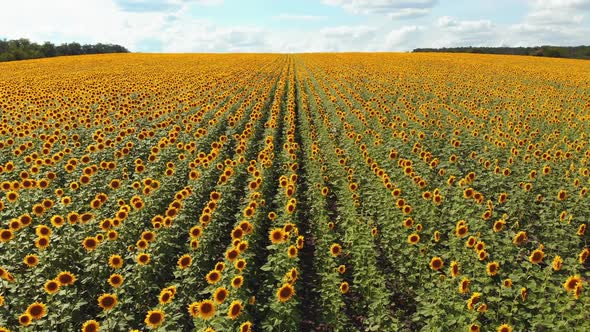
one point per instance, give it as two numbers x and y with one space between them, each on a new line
298 25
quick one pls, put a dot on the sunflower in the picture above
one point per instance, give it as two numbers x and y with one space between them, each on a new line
468 193
504 328
584 254
42 242
474 328
142 244
65 278
571 282
246 327
335 250
148 236
492 268
6 235
14 225
115 261
436 263
482 308
581 230
213 277
578 290
473 300
246 226
215 196
285 293
435 236
143 259
91 326
154 318
240 264
165 297
536 256
112 235
237 233
237 281
461 229
184 261
25 319
207 309
344 287
471 241
454 269
408 222
499 225
193 309
520 238
12 196
38 210
107 301
341 269
407 209
220 266
235 309
90 243
220 295
196 231
31 260
51 287
171 289
523 293
37 310
232 254
557 263
482 255
292 252
464 286
277 236
41 230
507 283
116 280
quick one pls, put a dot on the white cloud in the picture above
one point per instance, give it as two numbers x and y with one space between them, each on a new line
354 32
406 38
552 17
161 5
452 24
92 21
551 22
407 13
561 4
391 8
299 17
174 29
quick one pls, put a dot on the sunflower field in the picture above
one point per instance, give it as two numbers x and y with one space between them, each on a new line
300 192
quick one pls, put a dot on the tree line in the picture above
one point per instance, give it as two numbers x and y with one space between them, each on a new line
574 52
23 49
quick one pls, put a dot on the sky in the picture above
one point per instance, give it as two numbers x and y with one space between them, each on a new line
289 26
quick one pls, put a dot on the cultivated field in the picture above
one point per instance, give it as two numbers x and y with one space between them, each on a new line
268 192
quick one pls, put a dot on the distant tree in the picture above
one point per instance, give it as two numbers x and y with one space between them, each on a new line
3 46
48 50
22 49
577 52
